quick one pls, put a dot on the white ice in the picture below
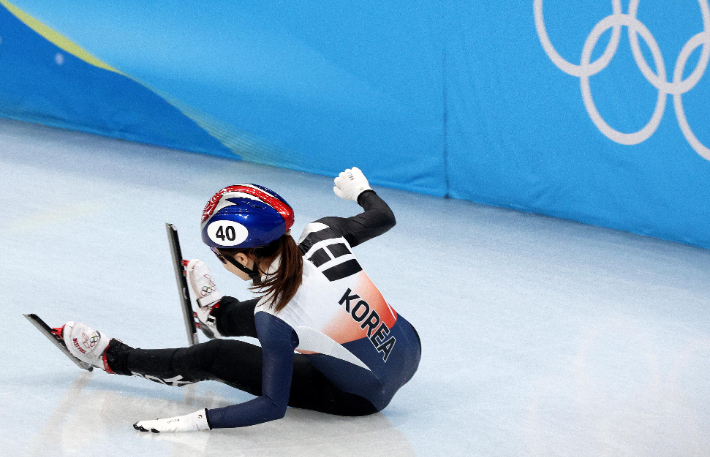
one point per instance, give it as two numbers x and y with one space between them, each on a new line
540 336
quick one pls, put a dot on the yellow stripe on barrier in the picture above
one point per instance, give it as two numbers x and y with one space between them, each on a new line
239 143
56 38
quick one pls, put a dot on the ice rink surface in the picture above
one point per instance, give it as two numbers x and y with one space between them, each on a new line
541 337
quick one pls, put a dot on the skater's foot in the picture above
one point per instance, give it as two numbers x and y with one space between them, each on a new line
85 343
207 295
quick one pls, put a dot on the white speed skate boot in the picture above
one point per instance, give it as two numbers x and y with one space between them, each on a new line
207 295
85 343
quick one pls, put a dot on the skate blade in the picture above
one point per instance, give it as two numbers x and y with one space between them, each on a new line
48 331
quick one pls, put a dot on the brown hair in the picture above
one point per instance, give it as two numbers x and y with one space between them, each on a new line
283 284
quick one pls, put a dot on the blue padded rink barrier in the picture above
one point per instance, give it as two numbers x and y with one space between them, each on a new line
540 336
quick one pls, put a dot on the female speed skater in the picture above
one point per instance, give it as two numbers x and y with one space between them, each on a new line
329 340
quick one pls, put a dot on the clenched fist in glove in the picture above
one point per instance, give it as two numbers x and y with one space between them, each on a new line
350 184
193 422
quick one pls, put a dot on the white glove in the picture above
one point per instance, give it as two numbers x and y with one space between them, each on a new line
350 184
207 295
194 422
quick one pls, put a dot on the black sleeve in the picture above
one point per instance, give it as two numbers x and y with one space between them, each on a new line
376 220
235 318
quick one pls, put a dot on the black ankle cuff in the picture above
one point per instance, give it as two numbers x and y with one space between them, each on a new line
217 311
117 357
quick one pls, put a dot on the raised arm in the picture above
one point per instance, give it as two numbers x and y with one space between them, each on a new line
374 221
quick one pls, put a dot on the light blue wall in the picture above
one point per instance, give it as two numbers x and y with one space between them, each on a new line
440 97
520 135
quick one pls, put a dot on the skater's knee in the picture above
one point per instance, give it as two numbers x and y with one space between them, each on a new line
202 355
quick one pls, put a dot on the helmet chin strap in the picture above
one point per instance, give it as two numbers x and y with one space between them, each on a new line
252 272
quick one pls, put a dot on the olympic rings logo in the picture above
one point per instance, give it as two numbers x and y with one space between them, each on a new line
209 287
677 87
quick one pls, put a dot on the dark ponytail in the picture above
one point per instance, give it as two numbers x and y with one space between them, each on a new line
283 284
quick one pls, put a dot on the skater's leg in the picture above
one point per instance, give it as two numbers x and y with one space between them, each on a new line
310 389
230 361
239 365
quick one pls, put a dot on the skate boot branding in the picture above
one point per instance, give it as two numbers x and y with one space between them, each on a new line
201 283
88 342
55 335
85 343
209 287
208 296
78 347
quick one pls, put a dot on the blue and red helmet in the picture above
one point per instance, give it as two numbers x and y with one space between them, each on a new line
245 216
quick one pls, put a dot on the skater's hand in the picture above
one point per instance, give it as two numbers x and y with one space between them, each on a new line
193 422
350 184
